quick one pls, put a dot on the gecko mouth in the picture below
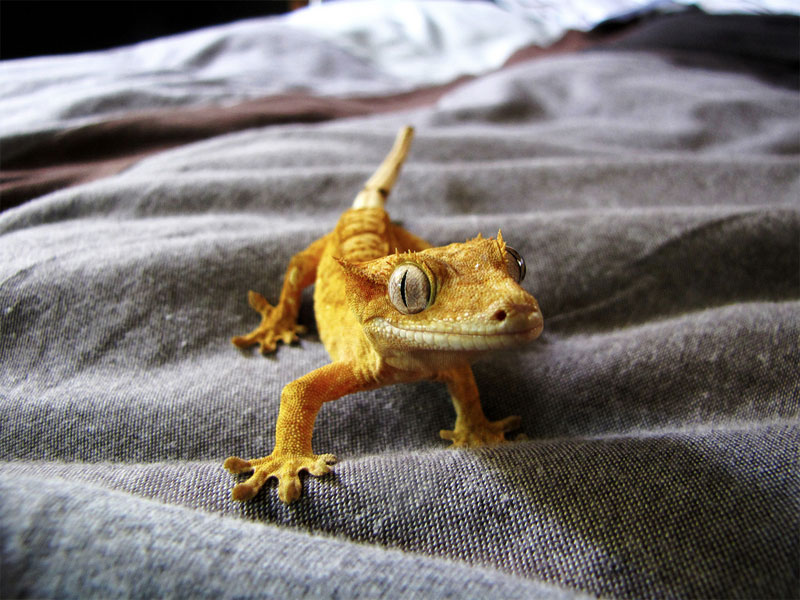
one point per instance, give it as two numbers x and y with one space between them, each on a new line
458 337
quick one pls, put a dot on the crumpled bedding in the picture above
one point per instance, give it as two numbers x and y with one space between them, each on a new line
654 195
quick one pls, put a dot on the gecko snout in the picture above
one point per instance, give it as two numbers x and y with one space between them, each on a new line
515 316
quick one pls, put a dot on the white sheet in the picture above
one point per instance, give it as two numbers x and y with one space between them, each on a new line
337 49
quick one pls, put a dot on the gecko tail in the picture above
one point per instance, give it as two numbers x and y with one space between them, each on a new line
377 188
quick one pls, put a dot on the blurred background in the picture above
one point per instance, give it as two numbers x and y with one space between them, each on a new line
44 27
76 26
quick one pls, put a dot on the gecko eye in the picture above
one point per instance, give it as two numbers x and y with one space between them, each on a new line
515 264
409 289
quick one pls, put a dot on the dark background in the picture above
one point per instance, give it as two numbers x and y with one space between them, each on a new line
37 27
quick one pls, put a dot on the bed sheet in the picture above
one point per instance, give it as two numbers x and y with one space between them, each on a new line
654 195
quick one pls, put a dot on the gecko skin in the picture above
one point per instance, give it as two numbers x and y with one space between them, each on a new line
389 309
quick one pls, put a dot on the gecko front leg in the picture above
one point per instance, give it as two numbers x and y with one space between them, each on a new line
472 428
300 401
279 323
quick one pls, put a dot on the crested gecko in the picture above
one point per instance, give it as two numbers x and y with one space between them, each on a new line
389 308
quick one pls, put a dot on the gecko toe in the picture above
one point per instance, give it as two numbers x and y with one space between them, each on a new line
259 303
267 346
447 434
289 488
508 424
237 465
243 491
242 341
322 465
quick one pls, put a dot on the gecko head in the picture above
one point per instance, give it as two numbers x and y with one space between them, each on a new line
462 298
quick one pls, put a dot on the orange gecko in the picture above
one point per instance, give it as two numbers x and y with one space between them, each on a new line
389 309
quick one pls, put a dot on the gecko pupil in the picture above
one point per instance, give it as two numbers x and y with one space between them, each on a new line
403 288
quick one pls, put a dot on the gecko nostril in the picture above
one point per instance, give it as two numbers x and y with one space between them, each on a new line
500 315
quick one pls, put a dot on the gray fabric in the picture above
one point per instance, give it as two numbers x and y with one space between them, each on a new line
127 537
656 205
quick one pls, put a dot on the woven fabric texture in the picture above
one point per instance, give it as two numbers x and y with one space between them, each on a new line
656 204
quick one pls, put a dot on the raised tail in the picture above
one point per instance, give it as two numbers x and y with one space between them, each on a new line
377 188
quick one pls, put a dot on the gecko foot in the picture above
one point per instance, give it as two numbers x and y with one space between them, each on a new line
274 326
488 433
286 468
